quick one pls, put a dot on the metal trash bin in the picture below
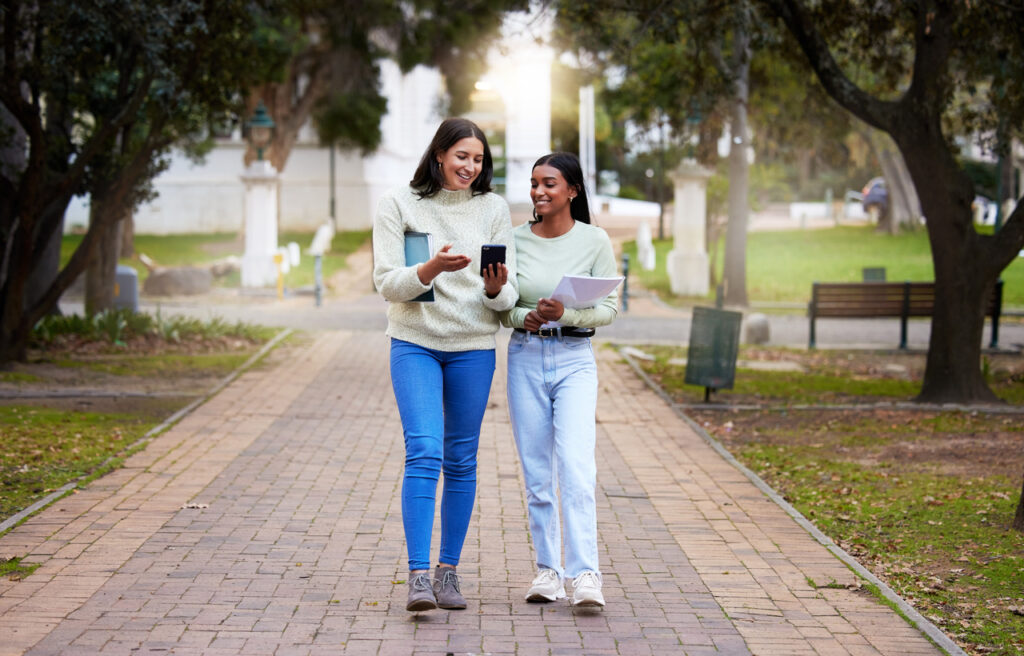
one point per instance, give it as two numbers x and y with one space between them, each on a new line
714 345
873 274
126 288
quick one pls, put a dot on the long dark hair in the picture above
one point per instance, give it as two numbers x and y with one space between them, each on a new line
429 179
569 166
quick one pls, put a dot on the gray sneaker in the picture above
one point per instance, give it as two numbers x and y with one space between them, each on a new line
446 589
421 593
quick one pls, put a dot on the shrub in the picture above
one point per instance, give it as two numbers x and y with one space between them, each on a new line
118 326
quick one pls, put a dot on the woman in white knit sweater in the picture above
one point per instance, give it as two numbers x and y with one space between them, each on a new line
442 350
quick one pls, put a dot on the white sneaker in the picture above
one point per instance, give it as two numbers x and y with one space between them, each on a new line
547 586
586 590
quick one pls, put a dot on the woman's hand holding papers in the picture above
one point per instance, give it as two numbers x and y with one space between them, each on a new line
549 309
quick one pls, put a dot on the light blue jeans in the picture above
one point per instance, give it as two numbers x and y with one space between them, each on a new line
552 400
441 398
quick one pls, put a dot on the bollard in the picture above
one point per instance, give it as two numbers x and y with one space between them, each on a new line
278 259
625 282
318 278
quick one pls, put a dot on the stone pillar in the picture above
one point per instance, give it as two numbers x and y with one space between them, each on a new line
261 183
527 98
688 260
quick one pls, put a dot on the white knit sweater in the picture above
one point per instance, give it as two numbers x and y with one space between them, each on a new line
461 317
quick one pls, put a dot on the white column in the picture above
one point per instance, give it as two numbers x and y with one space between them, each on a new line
261 183
588 145
688 260
527 97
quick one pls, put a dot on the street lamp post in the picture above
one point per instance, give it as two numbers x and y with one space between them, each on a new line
261 182
261 129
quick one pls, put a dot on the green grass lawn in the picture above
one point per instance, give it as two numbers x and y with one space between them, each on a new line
938 540
819 383
214 364
200 249
923 499
45 448
781 266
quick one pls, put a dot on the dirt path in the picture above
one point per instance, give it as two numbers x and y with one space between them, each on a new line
356 280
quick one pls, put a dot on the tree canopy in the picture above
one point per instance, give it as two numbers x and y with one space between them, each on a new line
334 73
94 95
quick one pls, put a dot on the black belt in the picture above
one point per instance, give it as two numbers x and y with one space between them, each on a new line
564 331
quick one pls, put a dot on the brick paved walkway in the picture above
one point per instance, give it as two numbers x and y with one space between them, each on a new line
299 549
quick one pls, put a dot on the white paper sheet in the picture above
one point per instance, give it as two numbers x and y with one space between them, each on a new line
582 291
579 292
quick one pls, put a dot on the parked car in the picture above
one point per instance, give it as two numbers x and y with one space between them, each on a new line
875 198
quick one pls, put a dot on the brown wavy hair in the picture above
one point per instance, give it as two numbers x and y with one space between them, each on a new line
429 179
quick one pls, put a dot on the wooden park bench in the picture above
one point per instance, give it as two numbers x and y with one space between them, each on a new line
867 300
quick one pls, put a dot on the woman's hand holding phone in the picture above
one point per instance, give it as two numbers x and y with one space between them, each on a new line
495 277
492 268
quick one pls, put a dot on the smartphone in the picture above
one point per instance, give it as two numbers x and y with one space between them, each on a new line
491 254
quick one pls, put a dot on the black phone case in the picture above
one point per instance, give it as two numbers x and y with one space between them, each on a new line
491 254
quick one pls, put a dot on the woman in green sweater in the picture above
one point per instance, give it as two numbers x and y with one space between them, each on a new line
552 378
442 350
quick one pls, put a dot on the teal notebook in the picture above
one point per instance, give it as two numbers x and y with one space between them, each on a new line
419 247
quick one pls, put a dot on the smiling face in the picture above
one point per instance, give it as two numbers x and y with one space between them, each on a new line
462 163
549 191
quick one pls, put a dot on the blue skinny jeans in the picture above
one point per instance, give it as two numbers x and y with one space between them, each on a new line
441 399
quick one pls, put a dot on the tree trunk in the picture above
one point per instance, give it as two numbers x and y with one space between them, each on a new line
14 332
953 366
710 131
17 318
904 192
1018 518
735 273
28 235
45 269
803 169
12 147
904 206
965 274
128 235
889 217
713 236
100 274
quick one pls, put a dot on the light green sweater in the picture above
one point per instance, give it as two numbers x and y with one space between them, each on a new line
461 317
585 250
